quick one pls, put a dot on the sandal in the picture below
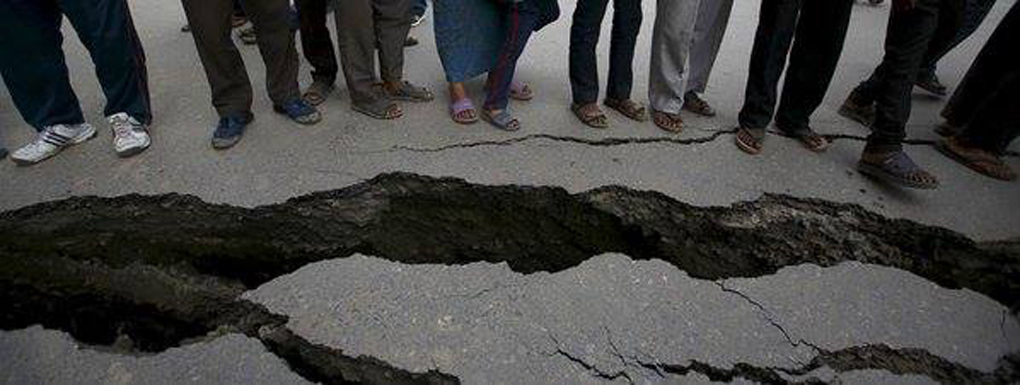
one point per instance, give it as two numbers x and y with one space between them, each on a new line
590 114
379 108
668 122
521 91
628 108
750 140
463 111
501 120
899 169
694 103
983 162
407 92
810 139
317 93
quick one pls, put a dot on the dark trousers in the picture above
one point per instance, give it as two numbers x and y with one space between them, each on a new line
963 24
364 25
521 20
987 103
584 36
316 42
816 29
418 7
228 78
33 67
945 33
907 39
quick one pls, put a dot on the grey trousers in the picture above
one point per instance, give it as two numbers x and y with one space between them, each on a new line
709 30
671 43
363 26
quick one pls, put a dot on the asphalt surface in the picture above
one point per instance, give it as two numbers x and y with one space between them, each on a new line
611 319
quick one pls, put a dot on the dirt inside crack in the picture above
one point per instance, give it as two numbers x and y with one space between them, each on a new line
158 270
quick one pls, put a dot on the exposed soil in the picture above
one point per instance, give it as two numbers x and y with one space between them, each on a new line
159 270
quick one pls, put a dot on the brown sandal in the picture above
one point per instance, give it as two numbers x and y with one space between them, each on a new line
981 161
591 115
810 139
668 122
628 108
750 140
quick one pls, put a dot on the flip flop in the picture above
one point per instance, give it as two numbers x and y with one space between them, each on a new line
750 140
502 120
379 108
590 114
628 108
900 170
459 107
810 139
980 161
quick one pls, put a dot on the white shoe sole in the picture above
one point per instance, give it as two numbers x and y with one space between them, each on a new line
89 133
135 150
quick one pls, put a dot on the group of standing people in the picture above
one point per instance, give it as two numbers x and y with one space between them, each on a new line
803 39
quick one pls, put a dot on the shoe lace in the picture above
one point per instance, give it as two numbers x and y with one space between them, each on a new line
122 126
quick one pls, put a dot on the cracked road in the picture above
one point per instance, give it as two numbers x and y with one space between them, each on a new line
401 279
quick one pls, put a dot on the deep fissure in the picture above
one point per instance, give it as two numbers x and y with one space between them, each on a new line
193 258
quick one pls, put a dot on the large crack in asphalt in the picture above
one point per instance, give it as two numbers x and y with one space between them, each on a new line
158 271
881 357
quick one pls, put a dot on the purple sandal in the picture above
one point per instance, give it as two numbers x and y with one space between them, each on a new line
459 107
521 91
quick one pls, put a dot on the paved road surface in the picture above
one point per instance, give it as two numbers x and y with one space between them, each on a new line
610 320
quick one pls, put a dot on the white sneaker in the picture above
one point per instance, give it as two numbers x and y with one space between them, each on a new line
130 137
51 140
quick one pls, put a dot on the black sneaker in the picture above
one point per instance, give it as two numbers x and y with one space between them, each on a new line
3 153
229 131
859 109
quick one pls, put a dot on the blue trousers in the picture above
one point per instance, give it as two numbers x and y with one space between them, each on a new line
33 67
522 19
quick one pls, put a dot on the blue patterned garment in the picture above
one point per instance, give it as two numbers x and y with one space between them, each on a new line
468 36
